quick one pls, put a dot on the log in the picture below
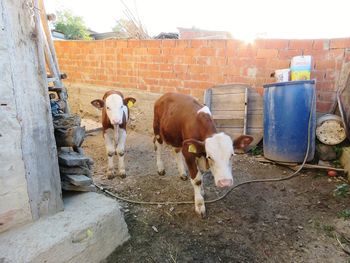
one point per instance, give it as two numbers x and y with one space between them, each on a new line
83 169
71 137
70 187
72 159
77 180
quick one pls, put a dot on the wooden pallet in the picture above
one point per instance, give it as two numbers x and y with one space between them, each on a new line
237 109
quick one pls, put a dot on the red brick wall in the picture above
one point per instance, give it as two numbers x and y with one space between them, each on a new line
191 66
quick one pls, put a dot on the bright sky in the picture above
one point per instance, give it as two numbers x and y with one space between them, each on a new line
245 19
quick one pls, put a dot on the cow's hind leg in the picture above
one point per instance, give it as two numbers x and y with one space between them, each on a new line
198 197
180 164
121 152
110 148
158 147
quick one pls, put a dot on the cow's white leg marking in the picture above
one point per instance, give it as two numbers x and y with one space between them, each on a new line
198 197
181 165
202 166
121 152
116 137
109 142
160 165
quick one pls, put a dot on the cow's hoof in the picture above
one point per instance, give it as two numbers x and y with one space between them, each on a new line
120 153
110 174
200 210
122 174
162 172
183 177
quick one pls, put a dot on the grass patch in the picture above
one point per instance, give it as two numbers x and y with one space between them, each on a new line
345 214
341 190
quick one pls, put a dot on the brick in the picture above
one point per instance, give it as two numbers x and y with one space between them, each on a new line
151 43
168 43
199 43
321 44
122 43
153 51
207 51
196 69
325 86
180 68
183 43
288 54
217 43
326 96
319 75
340 43
167 75
300 44
191 52
134 43
246 52
323 107
165 67
271 43
324 64
336 53
267 53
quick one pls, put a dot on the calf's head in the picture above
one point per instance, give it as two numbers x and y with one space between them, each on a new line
219 150
114 106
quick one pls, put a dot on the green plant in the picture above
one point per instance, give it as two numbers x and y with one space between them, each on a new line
257 150
345 214
341 190
338 150
72 26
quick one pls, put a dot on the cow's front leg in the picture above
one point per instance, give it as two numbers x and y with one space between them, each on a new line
160 166
121 152
198 197
109 142
181 165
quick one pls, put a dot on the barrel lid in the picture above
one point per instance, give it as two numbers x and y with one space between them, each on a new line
298 82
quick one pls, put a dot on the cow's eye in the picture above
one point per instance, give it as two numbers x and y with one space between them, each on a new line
209 158
121 106
108 108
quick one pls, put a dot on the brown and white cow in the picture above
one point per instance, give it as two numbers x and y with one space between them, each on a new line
115 114
185 124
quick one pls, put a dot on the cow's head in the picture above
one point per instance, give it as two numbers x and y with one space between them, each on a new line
219 150
114 105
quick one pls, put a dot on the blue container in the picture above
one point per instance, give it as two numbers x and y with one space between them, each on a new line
287 107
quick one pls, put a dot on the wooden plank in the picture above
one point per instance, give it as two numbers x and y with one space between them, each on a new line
253 121
72 159
78 180
224 115
70 187
208 98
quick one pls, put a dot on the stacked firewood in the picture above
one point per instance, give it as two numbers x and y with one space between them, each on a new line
75 167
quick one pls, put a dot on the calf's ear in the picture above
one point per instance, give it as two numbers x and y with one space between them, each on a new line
99 104
129 101
242 141
193 146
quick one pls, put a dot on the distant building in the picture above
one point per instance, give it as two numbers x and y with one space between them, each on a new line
167 36
57 35
109 35
196 33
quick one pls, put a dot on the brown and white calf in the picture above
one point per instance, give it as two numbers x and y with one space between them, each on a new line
115 114
185 124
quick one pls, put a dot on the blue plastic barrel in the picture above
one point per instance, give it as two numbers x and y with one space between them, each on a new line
287 107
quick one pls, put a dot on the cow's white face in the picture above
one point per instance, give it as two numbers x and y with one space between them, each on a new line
219 150
115 109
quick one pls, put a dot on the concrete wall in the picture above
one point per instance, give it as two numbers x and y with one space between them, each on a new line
191 66
29 177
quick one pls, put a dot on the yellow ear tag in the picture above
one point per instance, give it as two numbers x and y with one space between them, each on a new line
192 148
130 104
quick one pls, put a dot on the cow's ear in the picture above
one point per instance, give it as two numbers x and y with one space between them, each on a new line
193 146
99 104
129 101
242 141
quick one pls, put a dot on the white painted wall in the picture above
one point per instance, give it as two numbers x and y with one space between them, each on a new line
29 176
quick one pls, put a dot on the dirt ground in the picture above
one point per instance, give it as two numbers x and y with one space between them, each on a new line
290 221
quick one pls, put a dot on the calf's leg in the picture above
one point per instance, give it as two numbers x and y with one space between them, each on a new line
121 152
181 165
158 147
110 148
198 197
